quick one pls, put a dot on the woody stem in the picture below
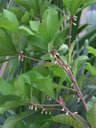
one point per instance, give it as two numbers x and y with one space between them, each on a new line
71 76
70 31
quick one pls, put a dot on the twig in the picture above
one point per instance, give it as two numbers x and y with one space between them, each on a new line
22 56
61 102
70 31
67 69
46 105
45 108
34 59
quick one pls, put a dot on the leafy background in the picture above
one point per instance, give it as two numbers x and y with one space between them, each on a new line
29 31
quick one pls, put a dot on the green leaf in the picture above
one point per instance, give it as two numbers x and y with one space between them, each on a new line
46 30
17 11
11 105
73 5
45 85
20 88
51 18
46 57
40 82
91 116
40 121
7 24
37 42
13 120
62 87
49 26
59 72
5 98
76 121
63 48
20 124
90 68
34 25
43 34
11 17
91 102
6 88
24 3
25 18
37 6
91 50
6 46
9 21
26 30
78 63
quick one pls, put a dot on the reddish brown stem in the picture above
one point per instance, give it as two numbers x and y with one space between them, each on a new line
46 105
70 74
70 31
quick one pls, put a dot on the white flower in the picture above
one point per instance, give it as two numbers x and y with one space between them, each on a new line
21 52
46 112
31 107
78 100
67 113
42 111
50 113
75 112
35 108
22 59
74 24
63 109
19 57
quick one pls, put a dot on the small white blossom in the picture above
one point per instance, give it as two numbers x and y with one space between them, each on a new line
22 59
51 56
50 113
42 111
78 100
46 112
55 62
21 52
75 112
63 109
19 57
74 24
72 84
31 107
75 17
67 113
35 108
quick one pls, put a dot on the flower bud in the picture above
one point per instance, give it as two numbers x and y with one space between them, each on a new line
67 113
78 100
46 112
35 108
42 112
50 112
63 109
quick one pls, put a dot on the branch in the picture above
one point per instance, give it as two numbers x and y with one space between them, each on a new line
70 30
45 108
67 69
21 57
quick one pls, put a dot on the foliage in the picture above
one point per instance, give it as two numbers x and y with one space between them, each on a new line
46 69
